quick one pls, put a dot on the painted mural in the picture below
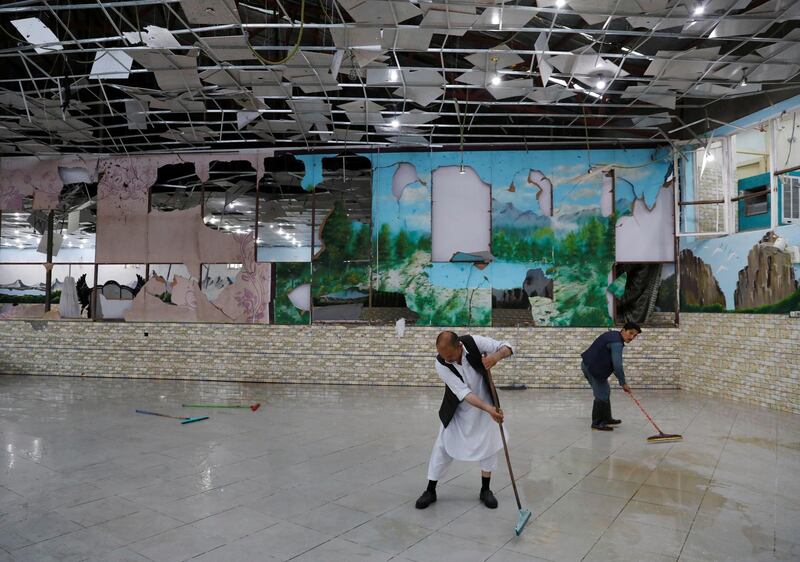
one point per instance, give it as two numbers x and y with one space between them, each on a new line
552 233
293 293
756 272
479 239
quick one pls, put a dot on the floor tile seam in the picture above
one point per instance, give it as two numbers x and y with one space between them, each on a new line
368 460
85 527
81 528
333 537
705 492
127 542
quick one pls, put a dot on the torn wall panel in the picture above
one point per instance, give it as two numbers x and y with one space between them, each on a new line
646 235
461 212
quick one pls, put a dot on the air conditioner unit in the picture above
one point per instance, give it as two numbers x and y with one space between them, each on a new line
791 199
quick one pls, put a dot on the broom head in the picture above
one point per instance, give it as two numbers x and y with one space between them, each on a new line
192 420
522 519
664 438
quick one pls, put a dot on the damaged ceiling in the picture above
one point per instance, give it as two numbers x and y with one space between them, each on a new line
131 76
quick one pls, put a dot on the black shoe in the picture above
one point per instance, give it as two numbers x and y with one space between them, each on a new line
426 499
602 427
607 418
488 499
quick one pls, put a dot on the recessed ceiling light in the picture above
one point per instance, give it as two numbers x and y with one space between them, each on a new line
393 75
560 3
699 9
601 84
496 80
495 18
395 124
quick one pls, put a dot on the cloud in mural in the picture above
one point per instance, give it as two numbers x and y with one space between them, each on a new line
545 196
584 192
300 297
405 175
418 221
566 173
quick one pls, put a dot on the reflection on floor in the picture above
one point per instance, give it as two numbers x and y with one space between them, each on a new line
331 473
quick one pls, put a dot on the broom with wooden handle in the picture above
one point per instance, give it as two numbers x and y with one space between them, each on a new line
661 437
524 514
184 420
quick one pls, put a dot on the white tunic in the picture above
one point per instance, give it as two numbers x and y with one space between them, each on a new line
472 434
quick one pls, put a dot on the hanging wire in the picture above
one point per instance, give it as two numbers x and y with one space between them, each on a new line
294 49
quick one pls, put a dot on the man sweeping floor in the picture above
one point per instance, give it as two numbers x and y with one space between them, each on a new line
468 431
602 358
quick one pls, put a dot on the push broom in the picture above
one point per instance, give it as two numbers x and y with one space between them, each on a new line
524 514
184 421
661 437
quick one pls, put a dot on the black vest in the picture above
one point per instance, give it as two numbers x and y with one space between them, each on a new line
450 401
598 357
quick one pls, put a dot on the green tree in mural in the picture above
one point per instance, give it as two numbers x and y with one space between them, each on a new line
402 247
384 244
595 235
570 247
361 247
501 245
337 235
610 242
424 244
340 267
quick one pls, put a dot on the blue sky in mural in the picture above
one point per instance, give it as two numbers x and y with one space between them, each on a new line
562 167
727 255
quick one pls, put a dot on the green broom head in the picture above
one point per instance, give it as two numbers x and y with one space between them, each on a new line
665 438
524 517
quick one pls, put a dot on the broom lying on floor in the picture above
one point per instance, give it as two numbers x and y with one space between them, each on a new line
184 421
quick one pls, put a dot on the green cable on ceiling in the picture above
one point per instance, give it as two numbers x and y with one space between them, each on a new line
295 48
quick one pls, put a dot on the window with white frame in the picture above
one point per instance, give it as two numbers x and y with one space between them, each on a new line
705 190
751 185
790 183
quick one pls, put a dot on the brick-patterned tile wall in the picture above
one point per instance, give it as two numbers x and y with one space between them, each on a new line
334 354
752 358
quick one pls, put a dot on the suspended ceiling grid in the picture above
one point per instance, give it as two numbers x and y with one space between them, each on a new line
130 76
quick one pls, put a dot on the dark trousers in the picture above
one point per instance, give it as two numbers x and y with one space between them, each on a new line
601 410
601 389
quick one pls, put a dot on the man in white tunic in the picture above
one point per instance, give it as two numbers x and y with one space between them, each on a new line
469 430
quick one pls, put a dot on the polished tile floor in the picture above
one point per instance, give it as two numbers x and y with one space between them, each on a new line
330 474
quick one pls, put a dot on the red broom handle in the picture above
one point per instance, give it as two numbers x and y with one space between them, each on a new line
645 412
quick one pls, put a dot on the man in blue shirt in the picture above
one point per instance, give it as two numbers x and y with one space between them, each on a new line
602 358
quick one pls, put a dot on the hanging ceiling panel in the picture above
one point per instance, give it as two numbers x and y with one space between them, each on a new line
130 76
